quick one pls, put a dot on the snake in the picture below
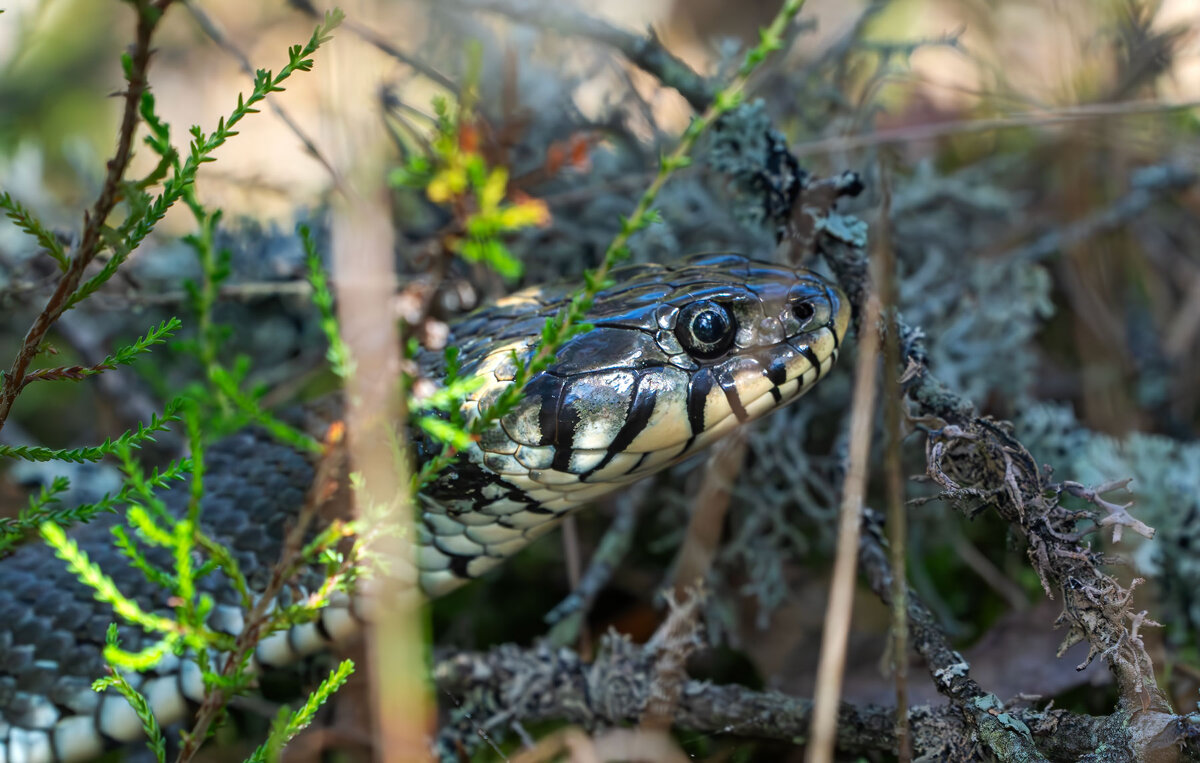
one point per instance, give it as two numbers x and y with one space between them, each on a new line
673 358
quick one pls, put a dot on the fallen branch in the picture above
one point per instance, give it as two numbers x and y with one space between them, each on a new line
495 689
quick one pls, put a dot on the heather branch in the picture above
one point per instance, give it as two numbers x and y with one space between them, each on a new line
260 620
91 241
385 45
45 508
29 223
126 355
217 35
134 438
288 724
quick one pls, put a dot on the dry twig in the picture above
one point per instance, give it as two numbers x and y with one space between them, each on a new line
644 51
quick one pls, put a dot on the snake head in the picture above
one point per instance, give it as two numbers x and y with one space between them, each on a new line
677 356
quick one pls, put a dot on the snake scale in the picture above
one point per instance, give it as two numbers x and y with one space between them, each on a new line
676 357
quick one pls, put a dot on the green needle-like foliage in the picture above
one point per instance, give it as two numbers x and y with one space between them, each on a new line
207 411
290 723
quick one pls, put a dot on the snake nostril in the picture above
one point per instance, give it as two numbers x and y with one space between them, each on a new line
804 311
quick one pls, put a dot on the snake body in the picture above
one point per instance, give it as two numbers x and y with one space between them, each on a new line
676 357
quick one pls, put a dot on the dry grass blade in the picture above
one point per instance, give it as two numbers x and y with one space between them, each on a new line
841 590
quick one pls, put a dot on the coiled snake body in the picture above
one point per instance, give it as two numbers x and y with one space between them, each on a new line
676 357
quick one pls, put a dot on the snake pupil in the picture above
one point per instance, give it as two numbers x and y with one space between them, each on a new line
709 326
705 329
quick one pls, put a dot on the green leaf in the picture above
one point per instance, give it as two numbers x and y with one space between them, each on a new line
450 396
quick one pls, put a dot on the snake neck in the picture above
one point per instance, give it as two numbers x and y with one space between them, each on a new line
470 519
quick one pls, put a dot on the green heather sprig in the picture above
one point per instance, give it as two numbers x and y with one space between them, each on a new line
149 521
224 389
29 223
227 384
127 609
146 212
560 328
132 551
115 680
133 439
159 335
288 724
47 497
340 359
190 609
122 357
215 269
452 430
44 507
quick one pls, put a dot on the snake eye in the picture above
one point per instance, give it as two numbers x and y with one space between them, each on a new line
705 329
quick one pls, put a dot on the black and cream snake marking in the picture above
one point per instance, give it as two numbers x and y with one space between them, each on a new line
677 356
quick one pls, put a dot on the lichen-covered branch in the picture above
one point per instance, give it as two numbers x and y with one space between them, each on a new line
981 465
1009 738
495 689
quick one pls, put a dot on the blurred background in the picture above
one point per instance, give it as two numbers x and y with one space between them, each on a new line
1042 161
